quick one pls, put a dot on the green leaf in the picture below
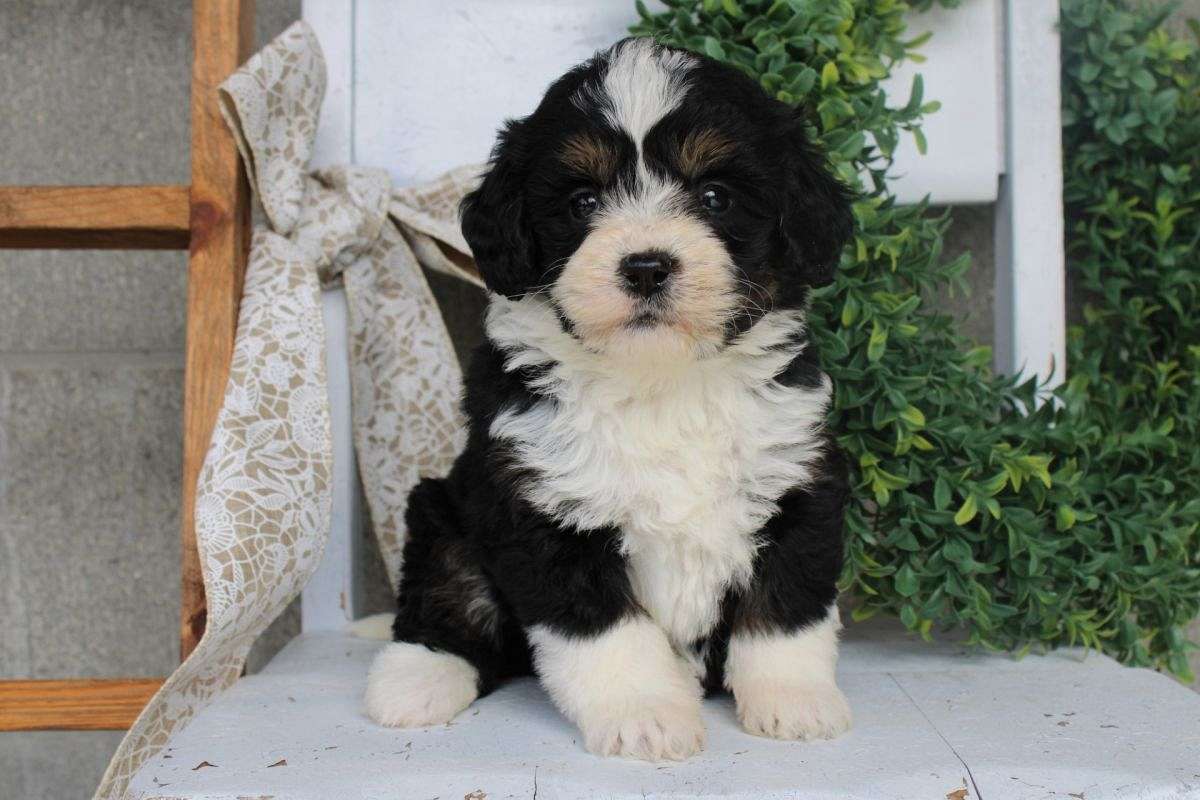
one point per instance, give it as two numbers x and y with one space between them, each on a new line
1064 518
906 581
863 613
993 507
915 95
941 493
967 511
829 75
919 138
713 48
849 311
957 552
877 343
913 416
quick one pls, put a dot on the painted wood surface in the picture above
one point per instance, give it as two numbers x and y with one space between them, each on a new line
433 80
332 597
94 217
1031 328
929 721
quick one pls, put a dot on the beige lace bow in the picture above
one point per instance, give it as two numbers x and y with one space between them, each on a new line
263 508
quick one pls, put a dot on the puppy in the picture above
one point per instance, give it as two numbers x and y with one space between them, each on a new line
648 506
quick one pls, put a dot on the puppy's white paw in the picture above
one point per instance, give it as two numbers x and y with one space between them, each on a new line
801 710
411 686
655 730
625 688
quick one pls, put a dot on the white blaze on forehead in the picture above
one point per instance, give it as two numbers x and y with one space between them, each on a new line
643 84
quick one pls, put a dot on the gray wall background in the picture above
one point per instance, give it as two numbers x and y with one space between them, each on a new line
91 366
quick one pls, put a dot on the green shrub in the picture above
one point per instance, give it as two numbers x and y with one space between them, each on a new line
1131 137
1027 531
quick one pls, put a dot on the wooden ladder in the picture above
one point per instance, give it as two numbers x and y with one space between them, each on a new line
211 220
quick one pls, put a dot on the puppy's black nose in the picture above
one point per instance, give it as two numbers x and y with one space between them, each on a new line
645 274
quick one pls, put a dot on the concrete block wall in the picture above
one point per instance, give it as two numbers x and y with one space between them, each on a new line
91 368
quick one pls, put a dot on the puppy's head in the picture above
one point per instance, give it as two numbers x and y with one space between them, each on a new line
660 200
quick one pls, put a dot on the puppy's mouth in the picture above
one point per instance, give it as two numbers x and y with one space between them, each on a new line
648 319
649 314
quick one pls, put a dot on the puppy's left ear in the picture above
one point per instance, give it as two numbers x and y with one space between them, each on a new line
495 221
817 220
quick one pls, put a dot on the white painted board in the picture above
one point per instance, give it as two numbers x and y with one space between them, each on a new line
330 599
1031 286
963 158
432 80
928 719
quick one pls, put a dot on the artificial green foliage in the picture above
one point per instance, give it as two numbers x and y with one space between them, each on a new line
1131 138
1028 530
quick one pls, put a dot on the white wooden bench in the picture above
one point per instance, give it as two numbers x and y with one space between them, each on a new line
420 87
929 720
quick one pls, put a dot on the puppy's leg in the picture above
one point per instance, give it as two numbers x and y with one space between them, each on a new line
604 662
449 629
784 683
626 689
411 685
783 643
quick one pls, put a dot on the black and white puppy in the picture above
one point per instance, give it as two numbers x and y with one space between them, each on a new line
648 506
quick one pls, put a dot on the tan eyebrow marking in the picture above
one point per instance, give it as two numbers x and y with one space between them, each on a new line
703 149
587 154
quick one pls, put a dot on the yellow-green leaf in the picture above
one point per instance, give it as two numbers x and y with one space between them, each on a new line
849 311
967 511
1064 518
877 343
913 416
864 612
921 443
829 75
993 507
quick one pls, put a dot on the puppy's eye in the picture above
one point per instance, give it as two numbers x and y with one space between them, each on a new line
583 203
715 199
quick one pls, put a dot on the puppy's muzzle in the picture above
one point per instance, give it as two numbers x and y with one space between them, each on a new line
646 274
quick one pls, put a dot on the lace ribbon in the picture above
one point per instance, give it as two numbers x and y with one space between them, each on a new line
263 507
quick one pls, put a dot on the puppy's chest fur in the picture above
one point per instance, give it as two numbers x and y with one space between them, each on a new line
686 460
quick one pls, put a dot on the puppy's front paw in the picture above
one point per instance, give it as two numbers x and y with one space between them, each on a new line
655 730
411 686
801 710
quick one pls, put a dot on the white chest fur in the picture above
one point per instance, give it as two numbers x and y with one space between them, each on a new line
687 460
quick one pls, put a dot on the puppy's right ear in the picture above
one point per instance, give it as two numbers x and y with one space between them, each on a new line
495 223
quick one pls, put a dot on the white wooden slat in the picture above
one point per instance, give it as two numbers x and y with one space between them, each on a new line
923 716
333 22
435 79
331 598
963 159
1030 301
1089 730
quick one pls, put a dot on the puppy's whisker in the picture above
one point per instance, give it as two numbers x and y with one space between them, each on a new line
751 301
